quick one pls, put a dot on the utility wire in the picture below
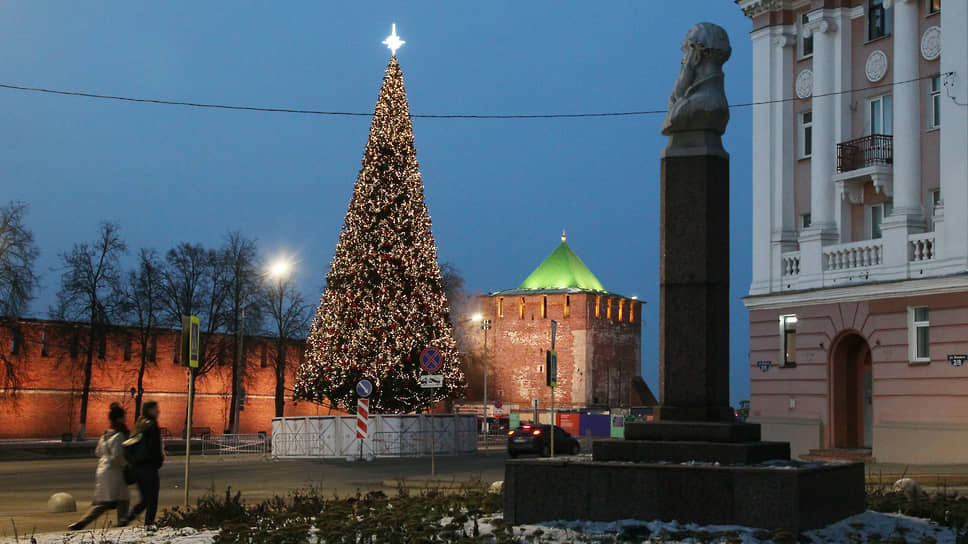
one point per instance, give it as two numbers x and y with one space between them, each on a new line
427 115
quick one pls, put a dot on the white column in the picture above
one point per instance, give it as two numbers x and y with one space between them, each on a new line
907 112
763 268
823 229
782 151
822 163
954 135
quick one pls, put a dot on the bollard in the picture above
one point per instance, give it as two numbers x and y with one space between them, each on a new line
60 503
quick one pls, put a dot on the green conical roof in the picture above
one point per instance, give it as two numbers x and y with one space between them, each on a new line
562 270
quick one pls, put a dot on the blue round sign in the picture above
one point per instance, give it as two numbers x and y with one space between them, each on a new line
364 388
431 360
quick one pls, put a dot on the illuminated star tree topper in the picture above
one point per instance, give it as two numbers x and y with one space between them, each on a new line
393 42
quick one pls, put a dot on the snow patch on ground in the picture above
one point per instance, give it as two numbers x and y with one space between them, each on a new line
126 535
857 528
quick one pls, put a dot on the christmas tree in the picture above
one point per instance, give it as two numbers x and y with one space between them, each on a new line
383 303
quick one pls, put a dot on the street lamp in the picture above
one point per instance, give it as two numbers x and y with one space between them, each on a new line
279 269
485 326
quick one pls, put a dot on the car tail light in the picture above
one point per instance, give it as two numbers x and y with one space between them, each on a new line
537 432
526 427
510 433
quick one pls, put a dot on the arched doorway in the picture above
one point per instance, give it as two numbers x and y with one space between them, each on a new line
851 387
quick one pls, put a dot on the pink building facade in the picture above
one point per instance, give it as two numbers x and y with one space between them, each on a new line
859 296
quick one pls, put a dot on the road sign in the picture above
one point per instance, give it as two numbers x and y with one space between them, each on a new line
431 360
362 417
498 404
189 341
364 388
430 381
551 368
957 360
554 332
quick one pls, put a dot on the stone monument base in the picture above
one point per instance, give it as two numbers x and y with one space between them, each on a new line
782 495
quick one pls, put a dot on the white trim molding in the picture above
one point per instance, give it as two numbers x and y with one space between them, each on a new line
754 8
857 293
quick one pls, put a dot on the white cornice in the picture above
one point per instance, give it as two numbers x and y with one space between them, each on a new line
909 288
754 8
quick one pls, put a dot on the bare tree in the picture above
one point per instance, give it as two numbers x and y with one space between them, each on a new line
17 255
17 283
88 293
241 257
142 302
289 316
467 332
194 281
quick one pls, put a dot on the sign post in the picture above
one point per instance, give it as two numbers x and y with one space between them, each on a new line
364 388
431 361
189 358
552 370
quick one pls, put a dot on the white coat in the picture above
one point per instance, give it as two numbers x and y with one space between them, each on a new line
109 483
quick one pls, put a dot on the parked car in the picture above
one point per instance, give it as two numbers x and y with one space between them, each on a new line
537 439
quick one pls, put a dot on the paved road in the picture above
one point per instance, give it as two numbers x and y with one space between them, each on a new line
25 486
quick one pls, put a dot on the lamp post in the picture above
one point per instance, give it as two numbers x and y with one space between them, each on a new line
485 326
278 270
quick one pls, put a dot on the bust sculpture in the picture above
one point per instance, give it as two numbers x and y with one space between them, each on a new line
698 101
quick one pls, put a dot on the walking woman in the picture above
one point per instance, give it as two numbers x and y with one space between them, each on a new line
110 490
147 460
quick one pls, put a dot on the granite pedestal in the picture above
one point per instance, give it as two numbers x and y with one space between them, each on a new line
797 497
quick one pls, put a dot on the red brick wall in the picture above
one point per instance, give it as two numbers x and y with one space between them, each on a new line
41 395
597 356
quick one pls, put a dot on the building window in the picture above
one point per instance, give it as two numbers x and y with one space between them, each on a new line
621 308
598 307
567 305
919 335
75 341
880 115
934 6
500 307
878 19
539 369
127 349
935 198
102 345
544 306
805 221
934 118
521 309
788 335
632 312
43 342
264 362
608 311
176 349
15 340
152 349
806 134
806 44
876 217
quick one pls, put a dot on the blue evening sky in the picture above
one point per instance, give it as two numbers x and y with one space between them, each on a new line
499 191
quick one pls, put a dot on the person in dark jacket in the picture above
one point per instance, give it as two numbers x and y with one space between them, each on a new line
150 456
110 491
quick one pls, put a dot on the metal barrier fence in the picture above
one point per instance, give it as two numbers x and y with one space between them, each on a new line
236 444
391 435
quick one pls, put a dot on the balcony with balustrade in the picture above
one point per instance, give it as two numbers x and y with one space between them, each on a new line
862 160
858 262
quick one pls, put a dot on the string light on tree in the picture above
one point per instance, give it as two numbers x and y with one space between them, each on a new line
384 302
